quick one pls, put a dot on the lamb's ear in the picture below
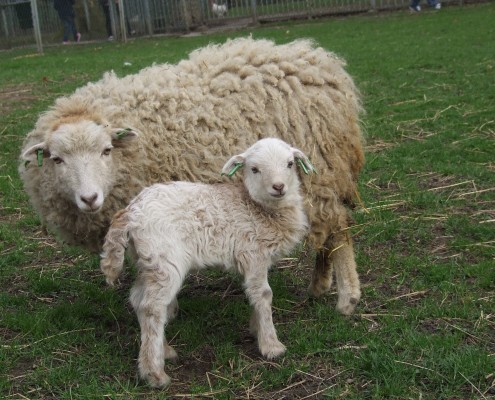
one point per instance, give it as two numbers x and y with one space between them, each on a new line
231 167
303 161
123 135
36 153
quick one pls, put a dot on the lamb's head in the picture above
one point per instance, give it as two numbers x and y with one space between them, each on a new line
79 156
270 174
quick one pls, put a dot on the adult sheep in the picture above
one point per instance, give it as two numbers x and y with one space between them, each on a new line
94 150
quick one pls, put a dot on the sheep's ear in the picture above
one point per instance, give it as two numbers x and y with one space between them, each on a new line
303 161
36 153
234 164
120 135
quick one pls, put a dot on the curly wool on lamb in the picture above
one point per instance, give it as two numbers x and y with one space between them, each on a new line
181 226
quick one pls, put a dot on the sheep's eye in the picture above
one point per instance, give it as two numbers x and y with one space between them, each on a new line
57 160
290 164
107 151
255 170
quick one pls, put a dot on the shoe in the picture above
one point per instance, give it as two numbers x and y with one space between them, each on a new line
78 37
438 6
415 9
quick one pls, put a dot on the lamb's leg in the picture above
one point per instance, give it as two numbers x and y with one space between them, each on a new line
151 297
338 254
172 311
261 325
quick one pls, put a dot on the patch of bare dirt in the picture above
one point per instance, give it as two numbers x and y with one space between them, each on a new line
16 97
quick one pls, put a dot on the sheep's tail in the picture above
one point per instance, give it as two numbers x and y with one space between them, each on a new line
112 257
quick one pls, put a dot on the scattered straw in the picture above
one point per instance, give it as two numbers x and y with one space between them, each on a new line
413 294
421 367
24 346
472 385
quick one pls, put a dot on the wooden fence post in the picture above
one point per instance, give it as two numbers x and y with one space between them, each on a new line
253 11
123 28
36 25
147 17
86 15
5 22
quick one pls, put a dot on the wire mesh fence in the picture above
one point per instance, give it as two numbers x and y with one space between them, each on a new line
30 22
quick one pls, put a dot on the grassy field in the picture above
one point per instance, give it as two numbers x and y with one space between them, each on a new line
425 327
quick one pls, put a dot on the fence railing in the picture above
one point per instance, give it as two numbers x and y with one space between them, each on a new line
35 22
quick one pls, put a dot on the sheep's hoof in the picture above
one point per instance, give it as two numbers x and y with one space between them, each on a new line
273 349
347 303
157 380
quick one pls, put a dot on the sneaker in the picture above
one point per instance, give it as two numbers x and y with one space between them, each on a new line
78 37
438 6
415 8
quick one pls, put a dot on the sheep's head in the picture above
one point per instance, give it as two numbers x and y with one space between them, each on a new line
79 154
270 170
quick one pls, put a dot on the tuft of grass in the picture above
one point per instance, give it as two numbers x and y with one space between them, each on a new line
424 246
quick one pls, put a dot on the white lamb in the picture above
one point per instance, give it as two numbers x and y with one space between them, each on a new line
175 227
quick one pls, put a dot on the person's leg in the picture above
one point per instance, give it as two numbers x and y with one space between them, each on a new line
75 33
434 4
108 22
67 28
414 6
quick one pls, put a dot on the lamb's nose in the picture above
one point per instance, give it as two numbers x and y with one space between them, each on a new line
89 200
278 187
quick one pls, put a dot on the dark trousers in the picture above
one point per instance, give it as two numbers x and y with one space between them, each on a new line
69 27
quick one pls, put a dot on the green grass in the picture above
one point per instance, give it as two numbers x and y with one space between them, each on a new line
425 249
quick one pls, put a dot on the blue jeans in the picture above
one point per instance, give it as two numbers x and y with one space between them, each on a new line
431 3
69 27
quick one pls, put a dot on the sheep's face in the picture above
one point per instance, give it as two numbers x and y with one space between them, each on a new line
79 158
270 172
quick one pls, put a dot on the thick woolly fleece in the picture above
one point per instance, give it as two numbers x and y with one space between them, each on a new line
192 115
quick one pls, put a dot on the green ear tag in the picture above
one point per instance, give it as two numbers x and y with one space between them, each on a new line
312 166
39 156
304 167
301 164
234 169
123 133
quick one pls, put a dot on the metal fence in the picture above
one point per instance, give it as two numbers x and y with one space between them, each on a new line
31 22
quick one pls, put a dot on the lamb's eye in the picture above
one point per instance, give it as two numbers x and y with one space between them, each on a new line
57 160
107 151
290 164
255 170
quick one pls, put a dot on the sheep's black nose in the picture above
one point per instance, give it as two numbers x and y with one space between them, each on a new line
278 187
89 200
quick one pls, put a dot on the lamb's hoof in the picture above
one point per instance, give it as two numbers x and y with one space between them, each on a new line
172 310
316 289
111 282
157 380
170 353
272 349
347 303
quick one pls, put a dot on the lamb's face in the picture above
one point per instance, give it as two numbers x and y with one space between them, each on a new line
79 156
270 171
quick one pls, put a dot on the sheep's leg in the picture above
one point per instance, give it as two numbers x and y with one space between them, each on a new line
261 324
338 254
348 286
151 297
